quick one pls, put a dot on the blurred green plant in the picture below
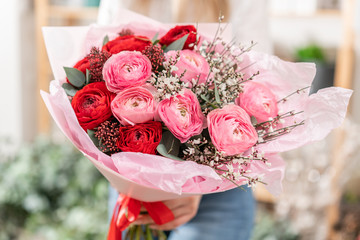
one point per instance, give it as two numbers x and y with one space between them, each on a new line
310 53
269 228
51 191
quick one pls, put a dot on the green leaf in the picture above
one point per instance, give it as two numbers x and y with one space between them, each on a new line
217 97
69 89
169 146
178 44
155 40
91 134
205 98
88 77
75 77
253 120
106 40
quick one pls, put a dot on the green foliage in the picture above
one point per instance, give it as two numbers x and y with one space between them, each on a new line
269 228
105 40
169 146
177 45
310 53
155 39
51 191
75 77
69 89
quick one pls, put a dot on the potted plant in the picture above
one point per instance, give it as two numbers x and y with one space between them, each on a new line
324 69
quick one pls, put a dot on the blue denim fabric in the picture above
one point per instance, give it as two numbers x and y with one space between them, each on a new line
228 215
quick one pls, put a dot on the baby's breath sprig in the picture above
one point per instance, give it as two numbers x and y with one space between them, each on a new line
166 84
272 129
224 81
202 151
299 91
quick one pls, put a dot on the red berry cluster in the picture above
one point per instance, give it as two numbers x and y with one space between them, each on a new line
156 57
97 59
126 32
108 133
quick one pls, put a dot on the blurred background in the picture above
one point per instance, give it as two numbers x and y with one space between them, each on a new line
49 191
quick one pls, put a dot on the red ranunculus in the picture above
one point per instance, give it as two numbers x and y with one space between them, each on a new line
143 137
127 43
92 105
81 65
178 32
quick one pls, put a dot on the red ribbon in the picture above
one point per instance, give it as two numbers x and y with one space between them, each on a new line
127 211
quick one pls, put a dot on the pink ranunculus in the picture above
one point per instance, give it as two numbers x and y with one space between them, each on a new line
126 69
196 66
258 101
133 105
182 115
231 130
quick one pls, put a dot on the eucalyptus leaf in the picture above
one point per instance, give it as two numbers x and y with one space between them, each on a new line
178 44
105 40
88 77
154 40
169 146
69 89
75 77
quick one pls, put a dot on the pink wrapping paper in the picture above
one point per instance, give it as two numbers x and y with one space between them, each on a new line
154 178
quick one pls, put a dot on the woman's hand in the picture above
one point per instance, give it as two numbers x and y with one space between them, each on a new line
184 209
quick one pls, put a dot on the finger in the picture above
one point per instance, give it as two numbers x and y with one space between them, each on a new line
171 225
182 216
176 203
143 219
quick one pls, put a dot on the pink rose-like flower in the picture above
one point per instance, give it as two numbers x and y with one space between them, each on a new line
133 105
126 69
258 101
196 66
182 115
231 130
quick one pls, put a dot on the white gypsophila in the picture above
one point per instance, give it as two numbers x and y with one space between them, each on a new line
237 161
173 68
236 176
230 167
231 82
222 87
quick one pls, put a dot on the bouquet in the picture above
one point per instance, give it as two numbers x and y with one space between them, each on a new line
169 111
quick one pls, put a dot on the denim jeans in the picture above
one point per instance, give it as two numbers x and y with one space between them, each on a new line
227 215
